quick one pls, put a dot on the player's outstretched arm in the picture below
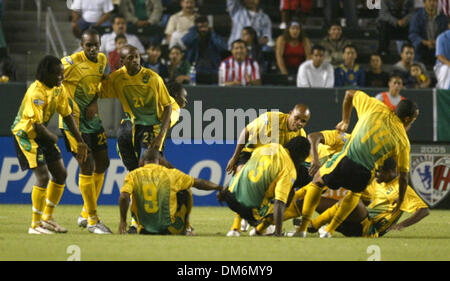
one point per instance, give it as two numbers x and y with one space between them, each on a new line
165 124
278 213
124 201
347 106
206 185
243 137
413 219
314 139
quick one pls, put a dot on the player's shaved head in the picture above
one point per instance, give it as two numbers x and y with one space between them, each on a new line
131 59
298 117
150 155
407 111
126 50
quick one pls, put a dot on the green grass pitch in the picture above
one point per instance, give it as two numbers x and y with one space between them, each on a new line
427 240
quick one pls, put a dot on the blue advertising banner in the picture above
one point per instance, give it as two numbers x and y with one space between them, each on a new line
206 161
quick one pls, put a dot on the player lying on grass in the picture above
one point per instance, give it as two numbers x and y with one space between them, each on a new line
161 197
373 216
36 146
267 177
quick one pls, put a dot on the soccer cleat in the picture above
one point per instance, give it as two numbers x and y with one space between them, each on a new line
99 228
190 231
253 232
323 233
53 226
82 222
39 230
233 233
132 229
295 233
244 226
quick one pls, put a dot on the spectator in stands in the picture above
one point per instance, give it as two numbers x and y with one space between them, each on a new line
154 61
334 44
7 67
293 47
180 23
143 14
442 66
119 26
393 22
292 8
403 66
425 26
392 97
349 73
254 51
248 13
376 77
178 67
114 56
444 7
94 13
239 69
419 79
331 11
316 73
204 47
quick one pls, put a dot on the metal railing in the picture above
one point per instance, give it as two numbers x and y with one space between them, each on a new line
50 23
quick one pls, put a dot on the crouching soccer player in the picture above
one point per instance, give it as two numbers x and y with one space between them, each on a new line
36 146
161 197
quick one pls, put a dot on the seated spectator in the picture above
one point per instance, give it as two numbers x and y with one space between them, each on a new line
119 26
178 67
392 97
154 61
248 13
442 67
145 15
239 69
7 67
331 11
349 73
315 73
419 79
114 56
93 13
425 26
403 66
393 22
180 23
376 77
292 8
254 51
334 45
204 47
292 49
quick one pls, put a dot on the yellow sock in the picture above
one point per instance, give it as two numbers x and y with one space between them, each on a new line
312 199
88 191
347 205
38 202
293 211
98 181
54 194
237 223
325 217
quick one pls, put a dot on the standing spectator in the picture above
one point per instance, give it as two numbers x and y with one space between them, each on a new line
291 8
114 56
239 69
315 72
349 73
154 61
204 47
334 45
254 51
292 49
425 26
406 60
418 77
178 66
392 97
90 13
249 14
331 11
376 77
180 23
393 22
442 67
119 26
7 67
143 14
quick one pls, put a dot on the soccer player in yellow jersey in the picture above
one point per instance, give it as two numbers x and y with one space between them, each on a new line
270 127
161 197
144 97
378 135
377 218
36 146
83 72
266 181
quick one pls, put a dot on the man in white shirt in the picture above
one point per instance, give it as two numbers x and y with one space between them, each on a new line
316 73
179 23
119 26
90 13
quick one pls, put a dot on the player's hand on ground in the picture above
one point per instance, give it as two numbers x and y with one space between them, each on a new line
342 126
122 228
82 152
